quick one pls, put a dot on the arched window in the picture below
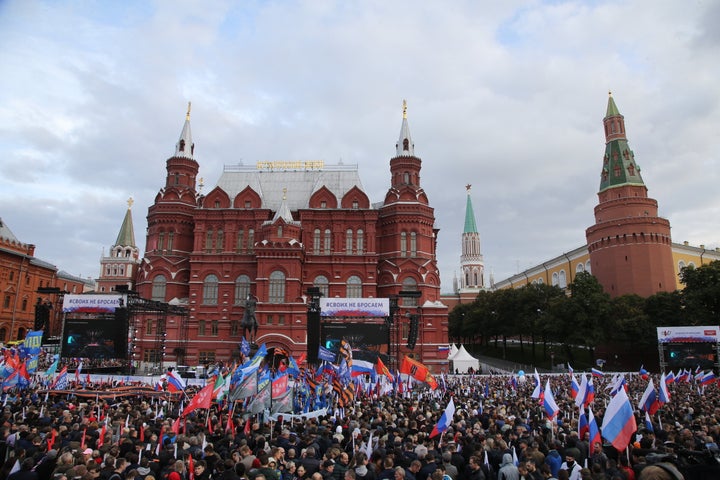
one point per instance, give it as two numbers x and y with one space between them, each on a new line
554 279
354 287
251 240
413 244
681 265
277 287
348 241
316 241
170 238
587 266
580 267
210 290
220 241
562 280
242 289
161 241
322 283
240 241
403 244
159 286
209 241
360 242
328 244
409 285
182 145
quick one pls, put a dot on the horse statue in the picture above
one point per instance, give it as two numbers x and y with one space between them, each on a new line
249 322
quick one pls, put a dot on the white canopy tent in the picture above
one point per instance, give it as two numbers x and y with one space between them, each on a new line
462 361
453 351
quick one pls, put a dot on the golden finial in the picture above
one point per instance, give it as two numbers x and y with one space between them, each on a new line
284 193
187 116
404 108
467 187
130 202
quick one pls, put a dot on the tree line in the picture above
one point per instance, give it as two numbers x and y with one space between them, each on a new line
541 316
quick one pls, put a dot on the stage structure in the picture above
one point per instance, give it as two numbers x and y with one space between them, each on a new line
101 330
689 347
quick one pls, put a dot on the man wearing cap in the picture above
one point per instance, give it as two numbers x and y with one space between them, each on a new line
570 464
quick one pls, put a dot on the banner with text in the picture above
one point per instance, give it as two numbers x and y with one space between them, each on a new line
354 307
92 303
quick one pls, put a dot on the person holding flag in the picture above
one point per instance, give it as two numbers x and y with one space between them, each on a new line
446 419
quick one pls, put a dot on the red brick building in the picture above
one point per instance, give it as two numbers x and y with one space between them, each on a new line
26 281
273 231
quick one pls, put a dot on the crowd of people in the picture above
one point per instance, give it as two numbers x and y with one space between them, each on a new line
498 431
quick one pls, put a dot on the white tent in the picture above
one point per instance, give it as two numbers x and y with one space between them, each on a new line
462 361
453 351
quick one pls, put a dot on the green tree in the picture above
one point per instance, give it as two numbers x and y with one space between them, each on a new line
701 295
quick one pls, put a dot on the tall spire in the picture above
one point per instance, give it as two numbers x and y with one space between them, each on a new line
619 167
185 146
470 226
405 146
126 236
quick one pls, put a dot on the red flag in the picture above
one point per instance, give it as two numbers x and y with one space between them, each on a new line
142 433
209 425
201 399
381 369
418 371
230 427
103 431
246 430
82 441
191 467
176 426
51 440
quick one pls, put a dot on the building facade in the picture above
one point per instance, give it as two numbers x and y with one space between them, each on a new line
272 231
27 282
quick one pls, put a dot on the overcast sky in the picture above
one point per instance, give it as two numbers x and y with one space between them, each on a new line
507 96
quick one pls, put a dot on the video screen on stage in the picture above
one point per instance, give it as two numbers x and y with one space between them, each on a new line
361 336
691 355
97 338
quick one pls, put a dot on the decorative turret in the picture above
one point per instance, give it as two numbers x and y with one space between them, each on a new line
181 167
405 146
120 266
471 259
630 246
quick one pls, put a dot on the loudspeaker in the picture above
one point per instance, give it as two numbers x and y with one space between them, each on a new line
413 333
313 336
42 316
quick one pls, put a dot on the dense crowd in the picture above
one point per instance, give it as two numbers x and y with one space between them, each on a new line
498 432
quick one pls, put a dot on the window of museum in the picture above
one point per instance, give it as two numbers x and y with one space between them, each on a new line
562 281
161 241
234 328
209 241
214 328
210 290
170 238
240 241
277 287
403 244
149 327
242 289
281 319
355 205
6 303
201 327
24 305
251 240
322 283
354 287
269 320
409 285
327 245
159 286
413 244
360 242
220 241
348 241
316 241
206 357
152 356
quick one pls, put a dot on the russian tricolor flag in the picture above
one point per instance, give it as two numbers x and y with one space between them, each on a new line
669 378
446 419
175 383
597 373
583 426
619 421
664 393
574 387
589 393
594 430
648 402
551 408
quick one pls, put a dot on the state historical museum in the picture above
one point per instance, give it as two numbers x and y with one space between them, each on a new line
273 232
